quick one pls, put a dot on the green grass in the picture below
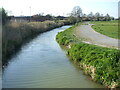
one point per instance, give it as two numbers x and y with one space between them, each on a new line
108 28
101 63
68 36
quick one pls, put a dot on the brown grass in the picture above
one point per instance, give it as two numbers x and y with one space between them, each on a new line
16 33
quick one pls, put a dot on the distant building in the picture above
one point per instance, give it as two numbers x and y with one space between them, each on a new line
20 18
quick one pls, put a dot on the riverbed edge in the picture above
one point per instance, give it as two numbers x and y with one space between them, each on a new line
63 39
10 47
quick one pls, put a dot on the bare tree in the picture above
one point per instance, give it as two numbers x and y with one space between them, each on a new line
97 16
77 12
107 17
90 15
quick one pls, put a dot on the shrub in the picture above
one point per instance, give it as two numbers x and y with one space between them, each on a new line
105 60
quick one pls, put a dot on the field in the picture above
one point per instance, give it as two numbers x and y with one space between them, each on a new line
108 28
100 63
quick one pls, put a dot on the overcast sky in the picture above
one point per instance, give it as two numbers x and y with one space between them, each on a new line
59 7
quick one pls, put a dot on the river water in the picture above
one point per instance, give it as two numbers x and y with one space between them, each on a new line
42 63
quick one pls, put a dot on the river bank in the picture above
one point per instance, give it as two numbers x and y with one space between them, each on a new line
15 34
42 63
100 63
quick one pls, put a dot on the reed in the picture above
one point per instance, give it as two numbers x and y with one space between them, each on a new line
15 34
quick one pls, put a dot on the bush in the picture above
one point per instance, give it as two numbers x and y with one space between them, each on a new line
106 61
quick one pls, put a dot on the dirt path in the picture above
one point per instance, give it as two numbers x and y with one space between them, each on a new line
90 36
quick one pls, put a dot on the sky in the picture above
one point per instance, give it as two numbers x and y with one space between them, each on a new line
59 7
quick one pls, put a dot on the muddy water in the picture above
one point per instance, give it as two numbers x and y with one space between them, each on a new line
43 64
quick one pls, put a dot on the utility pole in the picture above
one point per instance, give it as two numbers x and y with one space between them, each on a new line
21 13
30 13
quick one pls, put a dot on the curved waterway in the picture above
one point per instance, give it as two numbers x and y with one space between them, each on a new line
42 63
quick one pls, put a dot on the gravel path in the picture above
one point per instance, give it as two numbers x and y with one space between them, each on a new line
90 36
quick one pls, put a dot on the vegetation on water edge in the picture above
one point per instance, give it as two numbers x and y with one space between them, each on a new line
16 33
108 28
68 36
102 64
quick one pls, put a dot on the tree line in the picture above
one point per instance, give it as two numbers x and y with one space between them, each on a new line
75 16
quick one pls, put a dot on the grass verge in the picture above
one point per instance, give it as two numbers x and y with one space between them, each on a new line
67 37
108 28
102 64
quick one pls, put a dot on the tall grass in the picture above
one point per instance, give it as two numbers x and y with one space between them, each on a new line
16 33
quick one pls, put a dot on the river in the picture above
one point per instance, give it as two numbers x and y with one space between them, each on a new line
42 63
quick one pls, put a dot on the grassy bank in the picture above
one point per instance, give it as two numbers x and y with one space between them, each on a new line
66 37
108 28
16 34
101 63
